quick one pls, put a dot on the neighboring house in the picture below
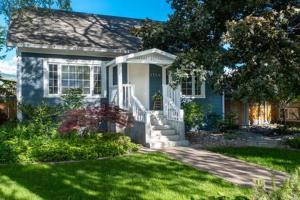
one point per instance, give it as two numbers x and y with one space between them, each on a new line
58 50
8 101
264 114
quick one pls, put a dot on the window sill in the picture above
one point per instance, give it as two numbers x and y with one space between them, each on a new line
193 96
85 97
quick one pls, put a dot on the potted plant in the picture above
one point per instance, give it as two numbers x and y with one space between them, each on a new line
157 101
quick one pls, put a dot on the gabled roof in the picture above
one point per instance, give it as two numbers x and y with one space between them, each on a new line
73 30
151 56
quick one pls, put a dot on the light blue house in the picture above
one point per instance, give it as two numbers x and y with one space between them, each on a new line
59 50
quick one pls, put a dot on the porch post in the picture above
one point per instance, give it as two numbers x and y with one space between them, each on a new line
120 85
110 83
164 72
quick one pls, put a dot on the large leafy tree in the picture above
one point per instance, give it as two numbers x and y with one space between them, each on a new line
194 31
256 41
263 59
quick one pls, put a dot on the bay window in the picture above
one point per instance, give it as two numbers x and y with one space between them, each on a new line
60 77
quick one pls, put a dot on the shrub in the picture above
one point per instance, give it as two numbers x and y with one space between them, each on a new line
41 119
229 123
43 149
3 117
289 191
194 115
294 143
286 130
214 121
89 119
73 99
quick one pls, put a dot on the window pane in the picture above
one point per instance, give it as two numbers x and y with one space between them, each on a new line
76 77
97 80
187 86
53 79
198 86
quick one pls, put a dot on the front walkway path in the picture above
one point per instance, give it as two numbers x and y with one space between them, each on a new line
230 169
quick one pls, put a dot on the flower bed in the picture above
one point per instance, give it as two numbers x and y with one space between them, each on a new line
17 146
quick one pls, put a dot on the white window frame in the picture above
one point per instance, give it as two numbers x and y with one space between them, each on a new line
193 95
60 62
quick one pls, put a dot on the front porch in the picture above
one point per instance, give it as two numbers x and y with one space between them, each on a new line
133 83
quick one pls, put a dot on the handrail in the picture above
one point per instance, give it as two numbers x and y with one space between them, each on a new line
138 103
127 100
114 98
138 110
172 102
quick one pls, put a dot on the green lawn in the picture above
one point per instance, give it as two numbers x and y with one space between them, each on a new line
279 159
138 176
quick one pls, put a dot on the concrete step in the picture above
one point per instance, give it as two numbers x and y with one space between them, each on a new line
157 112
160 145
161 127
164 138
163 132
159 123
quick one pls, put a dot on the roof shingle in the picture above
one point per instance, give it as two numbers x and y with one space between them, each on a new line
73 29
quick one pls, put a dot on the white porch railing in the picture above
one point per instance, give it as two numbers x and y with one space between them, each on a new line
172 103
114 95
138 110
128 93
129 102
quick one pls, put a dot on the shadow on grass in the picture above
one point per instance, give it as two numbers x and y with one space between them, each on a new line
150 176
279 159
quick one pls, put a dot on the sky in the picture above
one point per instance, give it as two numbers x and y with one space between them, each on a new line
153 9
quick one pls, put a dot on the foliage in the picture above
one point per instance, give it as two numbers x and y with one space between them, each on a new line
98 146
10 7
229 123
90 118
256 41
42 119
213 121
194 115
294 143
73 99
262 60
289 191
157 96
3 117
18 7
2 40
7 88
18 145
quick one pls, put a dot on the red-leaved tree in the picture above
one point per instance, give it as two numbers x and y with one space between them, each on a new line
90 118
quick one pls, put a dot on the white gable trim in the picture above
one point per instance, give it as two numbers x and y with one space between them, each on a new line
69 48
151 56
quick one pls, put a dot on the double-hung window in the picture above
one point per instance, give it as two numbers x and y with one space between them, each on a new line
63 76
192 86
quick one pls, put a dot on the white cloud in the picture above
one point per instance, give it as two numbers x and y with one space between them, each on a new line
9 66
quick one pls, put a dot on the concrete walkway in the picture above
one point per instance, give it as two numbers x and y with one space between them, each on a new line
230 169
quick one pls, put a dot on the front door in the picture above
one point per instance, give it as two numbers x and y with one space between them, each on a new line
155 90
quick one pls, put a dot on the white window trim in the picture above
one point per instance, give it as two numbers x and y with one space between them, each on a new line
60 62
203 92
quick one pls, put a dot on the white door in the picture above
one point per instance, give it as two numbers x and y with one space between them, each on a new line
138 75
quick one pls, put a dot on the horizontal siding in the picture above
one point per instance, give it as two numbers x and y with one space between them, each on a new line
32 88
212 99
